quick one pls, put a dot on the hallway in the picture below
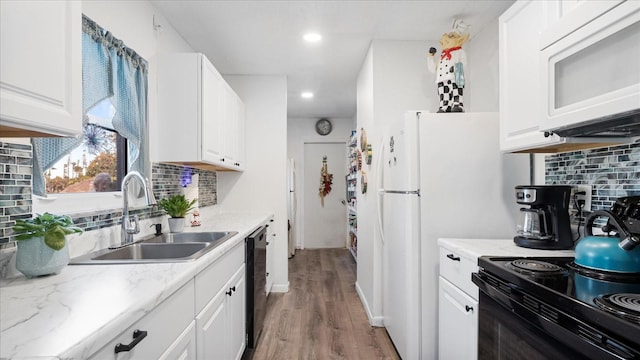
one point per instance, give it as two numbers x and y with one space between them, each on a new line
321 317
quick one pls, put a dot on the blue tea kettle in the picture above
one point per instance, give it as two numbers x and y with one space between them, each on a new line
619 253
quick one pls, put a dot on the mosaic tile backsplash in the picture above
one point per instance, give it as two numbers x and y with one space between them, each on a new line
15 191
612 172
15 185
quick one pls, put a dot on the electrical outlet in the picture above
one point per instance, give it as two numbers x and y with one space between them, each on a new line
580 198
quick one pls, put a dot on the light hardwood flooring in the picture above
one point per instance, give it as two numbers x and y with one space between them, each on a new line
321 317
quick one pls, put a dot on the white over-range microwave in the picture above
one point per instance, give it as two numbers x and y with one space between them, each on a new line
590 68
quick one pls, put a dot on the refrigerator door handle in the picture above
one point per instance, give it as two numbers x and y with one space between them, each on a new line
380 189
413 192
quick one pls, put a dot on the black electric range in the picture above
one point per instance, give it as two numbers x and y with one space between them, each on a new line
572 306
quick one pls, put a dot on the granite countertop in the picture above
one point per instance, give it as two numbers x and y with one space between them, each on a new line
474 248
77 312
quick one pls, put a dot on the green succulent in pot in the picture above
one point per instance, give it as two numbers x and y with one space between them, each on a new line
52 228
42 247
177 206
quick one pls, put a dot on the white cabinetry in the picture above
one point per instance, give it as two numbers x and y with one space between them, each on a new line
458 307
459 320
232 128
271 238
164 333
220 304
40 68
200 120
590 64
522 95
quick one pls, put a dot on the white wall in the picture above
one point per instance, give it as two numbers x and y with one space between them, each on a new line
394 78
262 187
482 92
300 131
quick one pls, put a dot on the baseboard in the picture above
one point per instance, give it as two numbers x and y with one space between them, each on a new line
280 288
373 320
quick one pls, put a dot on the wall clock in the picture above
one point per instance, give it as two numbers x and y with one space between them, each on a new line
323 127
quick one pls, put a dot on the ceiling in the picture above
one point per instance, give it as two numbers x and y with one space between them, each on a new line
265 38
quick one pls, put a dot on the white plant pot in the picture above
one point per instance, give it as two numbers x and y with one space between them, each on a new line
176 225
35 258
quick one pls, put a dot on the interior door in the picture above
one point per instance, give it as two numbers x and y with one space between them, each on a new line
324 226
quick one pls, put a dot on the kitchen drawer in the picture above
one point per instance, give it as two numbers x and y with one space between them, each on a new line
210 281
163 325
457 268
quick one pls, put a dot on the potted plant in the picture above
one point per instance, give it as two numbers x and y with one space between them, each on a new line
42 245
177 207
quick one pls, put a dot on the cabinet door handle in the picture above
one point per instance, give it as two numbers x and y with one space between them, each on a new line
229 292
468 308
233 289
453 257
138 335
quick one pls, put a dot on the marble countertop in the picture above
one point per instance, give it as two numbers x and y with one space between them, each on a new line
75 313
474 248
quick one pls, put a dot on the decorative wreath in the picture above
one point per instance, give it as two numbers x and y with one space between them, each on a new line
326 180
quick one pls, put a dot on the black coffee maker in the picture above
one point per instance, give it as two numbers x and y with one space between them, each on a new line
545 224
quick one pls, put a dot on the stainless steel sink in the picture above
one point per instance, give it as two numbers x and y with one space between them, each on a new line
195 237
173 247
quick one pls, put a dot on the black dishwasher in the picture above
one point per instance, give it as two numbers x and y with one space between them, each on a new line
256 256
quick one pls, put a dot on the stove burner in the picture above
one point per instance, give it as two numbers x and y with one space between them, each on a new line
535 267
605 275
625 305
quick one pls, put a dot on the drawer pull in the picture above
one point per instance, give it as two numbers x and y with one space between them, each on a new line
138 335
468 308
454 258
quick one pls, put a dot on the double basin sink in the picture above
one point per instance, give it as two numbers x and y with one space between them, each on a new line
172 247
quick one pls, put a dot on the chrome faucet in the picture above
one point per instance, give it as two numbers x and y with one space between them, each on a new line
126 234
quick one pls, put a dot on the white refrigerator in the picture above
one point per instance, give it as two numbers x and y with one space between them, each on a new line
441 176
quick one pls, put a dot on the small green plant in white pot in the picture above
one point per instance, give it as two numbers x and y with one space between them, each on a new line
42 245
177 207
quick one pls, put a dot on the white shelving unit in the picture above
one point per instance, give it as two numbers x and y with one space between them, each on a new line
355 165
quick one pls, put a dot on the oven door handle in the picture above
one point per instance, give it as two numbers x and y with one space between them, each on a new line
492 292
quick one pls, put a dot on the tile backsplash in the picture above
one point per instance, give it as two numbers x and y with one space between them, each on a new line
15 185
612 172
15 191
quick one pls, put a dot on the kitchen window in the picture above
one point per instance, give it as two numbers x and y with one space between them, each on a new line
72 175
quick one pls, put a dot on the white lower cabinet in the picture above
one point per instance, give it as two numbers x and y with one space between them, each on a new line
216 298
158 335
457 307
458 325
184 348
271 237
220 324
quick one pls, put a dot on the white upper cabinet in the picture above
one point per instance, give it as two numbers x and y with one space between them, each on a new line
198 115
40 68
519 31
523 92
232 129
590 64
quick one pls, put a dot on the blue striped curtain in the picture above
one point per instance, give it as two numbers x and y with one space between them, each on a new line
109 70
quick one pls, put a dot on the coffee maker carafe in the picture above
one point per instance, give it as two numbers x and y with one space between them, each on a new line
545 224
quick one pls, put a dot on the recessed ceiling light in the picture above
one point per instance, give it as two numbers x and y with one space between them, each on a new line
312 37
307 95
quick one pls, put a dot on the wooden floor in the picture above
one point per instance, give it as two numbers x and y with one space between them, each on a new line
321 317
